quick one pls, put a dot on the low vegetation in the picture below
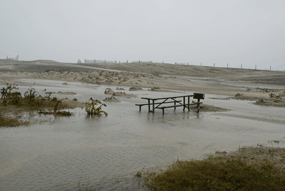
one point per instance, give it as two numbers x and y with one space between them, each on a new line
13 105
30 101
246 169
94 107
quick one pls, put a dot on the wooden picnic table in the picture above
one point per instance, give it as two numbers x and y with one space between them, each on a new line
159 102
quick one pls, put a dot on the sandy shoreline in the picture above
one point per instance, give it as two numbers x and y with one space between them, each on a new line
266 87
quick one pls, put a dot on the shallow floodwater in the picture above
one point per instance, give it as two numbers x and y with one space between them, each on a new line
108 151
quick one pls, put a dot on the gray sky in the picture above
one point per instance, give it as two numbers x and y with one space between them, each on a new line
248 32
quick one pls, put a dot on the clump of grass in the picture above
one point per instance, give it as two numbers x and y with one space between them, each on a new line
12 100
231 172
31 100
94 107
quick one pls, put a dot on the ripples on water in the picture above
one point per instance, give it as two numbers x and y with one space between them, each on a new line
108 151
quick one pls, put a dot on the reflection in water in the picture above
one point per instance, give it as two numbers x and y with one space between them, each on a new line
108 151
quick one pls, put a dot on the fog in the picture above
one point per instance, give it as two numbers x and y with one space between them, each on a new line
247 32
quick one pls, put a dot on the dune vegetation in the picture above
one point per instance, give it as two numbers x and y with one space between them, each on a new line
251 168
13 105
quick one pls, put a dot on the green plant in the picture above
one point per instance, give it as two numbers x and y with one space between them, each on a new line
138 174
12 100
217 175
30 95
6 93
94 107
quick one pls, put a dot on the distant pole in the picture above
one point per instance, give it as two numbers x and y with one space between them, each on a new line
241 66
270 68
255 67
227 65
139 61
127 61
201 63
214 64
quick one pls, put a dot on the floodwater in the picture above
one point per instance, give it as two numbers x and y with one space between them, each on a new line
108 151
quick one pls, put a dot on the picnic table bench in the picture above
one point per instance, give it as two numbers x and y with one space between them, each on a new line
152 101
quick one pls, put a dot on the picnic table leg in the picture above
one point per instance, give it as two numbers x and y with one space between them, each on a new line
188 103
140 107
174 104
148 105
198 106
152 106
183 103
162 111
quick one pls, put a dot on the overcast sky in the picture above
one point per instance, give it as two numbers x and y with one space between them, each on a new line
248 32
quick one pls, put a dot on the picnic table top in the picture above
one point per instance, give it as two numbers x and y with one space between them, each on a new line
167 97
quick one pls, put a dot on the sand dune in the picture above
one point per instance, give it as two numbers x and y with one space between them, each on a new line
155 76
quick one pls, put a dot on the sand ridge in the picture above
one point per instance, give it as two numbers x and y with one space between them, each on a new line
251 84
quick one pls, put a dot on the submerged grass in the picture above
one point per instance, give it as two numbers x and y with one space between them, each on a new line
12 101
31 100
251 169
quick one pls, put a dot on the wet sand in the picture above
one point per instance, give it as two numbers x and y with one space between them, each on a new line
108 151
252 84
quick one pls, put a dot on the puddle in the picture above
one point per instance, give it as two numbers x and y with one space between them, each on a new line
108 151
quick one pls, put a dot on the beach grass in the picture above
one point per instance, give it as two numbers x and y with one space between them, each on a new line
246 169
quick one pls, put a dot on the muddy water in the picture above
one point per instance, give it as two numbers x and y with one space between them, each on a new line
108 151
